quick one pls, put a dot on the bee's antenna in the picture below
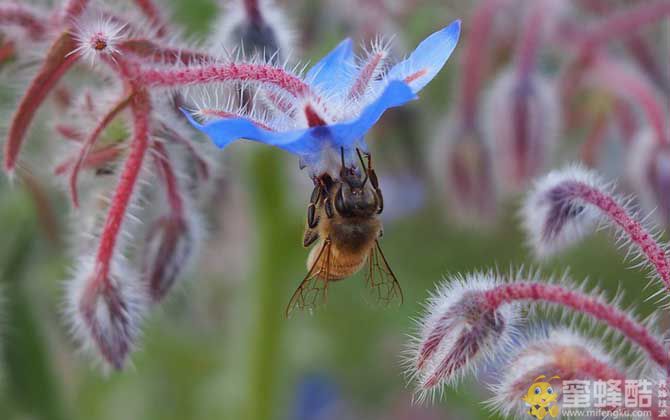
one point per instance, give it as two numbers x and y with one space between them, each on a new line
342 156
360 157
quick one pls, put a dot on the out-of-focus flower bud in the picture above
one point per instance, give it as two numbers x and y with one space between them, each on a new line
648 168
521 126
560 355
170 246
258 27
105 310
455 334
461 162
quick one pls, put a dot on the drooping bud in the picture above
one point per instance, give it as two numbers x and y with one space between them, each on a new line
455 334
461 161
566 205
170 246
522 126
553 216
648 168
105 310
560 355
257 26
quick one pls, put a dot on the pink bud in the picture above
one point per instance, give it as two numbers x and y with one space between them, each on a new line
521 126
649 171
461 161
456 334
559 353
105 311
170 245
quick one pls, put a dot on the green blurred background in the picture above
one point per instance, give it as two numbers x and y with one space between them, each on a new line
220 347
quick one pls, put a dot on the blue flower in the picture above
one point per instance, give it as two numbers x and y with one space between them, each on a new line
347 96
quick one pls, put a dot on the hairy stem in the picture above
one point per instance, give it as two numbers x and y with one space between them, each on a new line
594 307
90 142
621 218
628 85
141 109
58 61
231 72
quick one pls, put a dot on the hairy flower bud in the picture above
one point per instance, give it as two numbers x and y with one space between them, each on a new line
455 334
105 310
170 247
565 205
553 216
521 125
257 26
461 161
648 168
559 355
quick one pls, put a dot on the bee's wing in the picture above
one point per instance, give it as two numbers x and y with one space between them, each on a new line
312 290
380 279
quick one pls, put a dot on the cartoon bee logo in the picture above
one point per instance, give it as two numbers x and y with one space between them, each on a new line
541 399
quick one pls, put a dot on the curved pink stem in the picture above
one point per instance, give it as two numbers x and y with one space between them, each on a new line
624 83
93 160
151 11
90 142
472 64
15 14
201 163
594 307
141 108
623 23
260 73
152 51
75 8
170 178
617 214
529 42
58 61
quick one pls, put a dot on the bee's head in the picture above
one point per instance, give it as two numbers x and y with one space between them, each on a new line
354 196
355 199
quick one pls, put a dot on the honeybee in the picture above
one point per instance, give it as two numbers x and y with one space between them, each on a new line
343 221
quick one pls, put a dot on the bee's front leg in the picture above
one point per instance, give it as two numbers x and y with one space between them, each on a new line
374 181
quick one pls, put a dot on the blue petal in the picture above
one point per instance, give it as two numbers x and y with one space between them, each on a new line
334 71
347 134
429 57
225 131
310 142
